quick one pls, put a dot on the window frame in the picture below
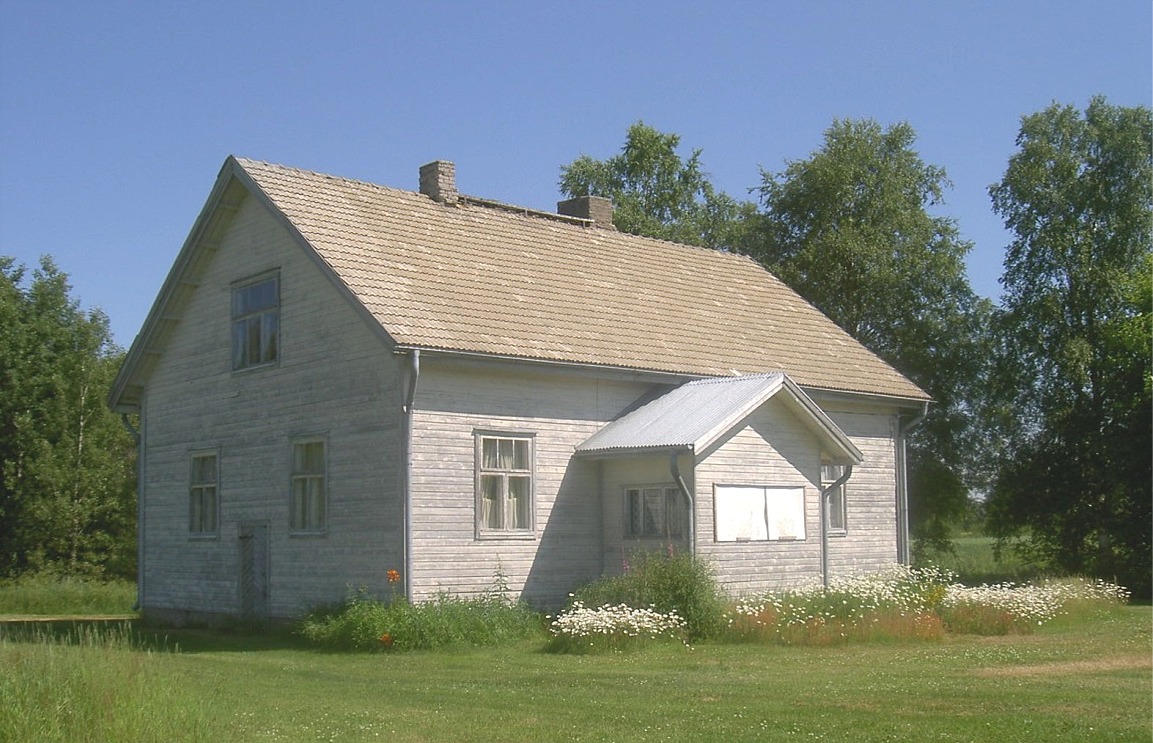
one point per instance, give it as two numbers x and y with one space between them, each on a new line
772 513
503 475
239 324
307 526
838 500
197 490
671 495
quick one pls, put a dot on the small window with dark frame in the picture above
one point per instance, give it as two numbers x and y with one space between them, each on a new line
830 473
309 486
504 484
656 511
203 501
256 323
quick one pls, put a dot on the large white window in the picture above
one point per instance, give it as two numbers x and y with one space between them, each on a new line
830 473
203 499
655 511
309 507
504 484
256 323
756 513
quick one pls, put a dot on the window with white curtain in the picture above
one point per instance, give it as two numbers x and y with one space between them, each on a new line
757 513
309 507
504 484
830 473
256 323
203 500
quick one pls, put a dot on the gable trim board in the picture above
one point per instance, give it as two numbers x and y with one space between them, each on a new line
675 349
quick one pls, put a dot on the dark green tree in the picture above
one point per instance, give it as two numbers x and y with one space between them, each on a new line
657 193
1075 482
67 464
850 228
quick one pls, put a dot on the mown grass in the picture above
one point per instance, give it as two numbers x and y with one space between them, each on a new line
1082 677
1082 674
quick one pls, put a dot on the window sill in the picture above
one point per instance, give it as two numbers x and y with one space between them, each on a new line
308 533
204 536
506 536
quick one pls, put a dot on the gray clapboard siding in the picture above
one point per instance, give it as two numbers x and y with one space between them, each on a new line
334 379
560 410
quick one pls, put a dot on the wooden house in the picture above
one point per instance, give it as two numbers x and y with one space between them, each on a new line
339 379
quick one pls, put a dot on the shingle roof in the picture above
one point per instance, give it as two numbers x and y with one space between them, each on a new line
486 280
696 414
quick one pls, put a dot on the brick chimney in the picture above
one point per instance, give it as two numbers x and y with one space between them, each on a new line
597 208
438 181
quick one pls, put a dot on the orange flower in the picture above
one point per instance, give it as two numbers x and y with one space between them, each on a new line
393 576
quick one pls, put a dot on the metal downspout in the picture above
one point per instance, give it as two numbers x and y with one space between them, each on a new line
903 547
409 400
138 439
680 481
839 482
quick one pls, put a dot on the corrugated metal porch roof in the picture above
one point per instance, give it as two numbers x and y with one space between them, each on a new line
696 414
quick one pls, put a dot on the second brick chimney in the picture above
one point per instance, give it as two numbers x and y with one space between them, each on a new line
597 208
438 181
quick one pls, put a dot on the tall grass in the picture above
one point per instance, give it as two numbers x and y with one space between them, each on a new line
366 623
50 595
97 683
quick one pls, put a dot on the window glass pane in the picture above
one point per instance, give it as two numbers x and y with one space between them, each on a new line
316 503
654 512
837 509
676 511
269 328
506 458
491 501
520 457
633 511
252 341
299 503
488 454
209 510
518 496
195 511
308 459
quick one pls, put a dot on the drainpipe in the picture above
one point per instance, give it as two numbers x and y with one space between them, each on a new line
137 439
825 492
680 481
903 427
409 399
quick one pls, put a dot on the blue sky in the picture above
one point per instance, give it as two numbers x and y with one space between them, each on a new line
115 117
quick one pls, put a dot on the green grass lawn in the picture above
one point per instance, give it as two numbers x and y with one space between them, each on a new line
1076 679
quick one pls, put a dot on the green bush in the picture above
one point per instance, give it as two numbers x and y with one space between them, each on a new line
664 583
366 623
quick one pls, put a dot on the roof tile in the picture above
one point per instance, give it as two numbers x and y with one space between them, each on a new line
495 281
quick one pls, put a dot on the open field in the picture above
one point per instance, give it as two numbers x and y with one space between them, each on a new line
973 561
1083 678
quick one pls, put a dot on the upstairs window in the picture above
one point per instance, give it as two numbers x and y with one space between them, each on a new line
256 323
504 488
830 473
657 511
203 502
309 486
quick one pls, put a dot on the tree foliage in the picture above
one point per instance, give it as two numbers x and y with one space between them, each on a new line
658 194
851 229
1075 341
67 465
